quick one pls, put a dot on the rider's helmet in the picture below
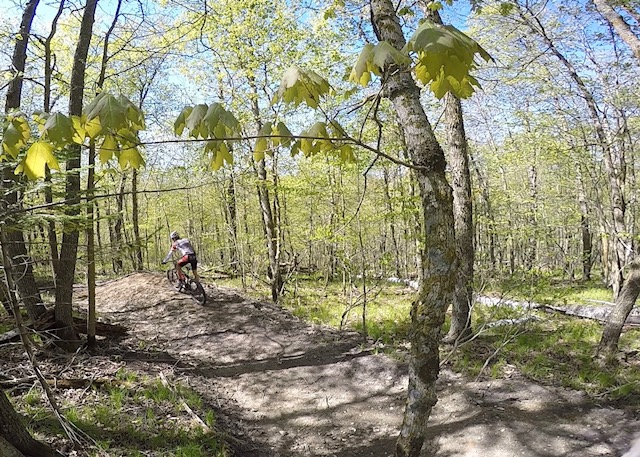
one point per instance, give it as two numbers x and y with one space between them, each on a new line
174 236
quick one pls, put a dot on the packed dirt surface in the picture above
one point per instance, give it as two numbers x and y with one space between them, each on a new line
285 388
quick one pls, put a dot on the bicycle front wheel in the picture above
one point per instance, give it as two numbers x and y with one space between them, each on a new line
172 277
197 293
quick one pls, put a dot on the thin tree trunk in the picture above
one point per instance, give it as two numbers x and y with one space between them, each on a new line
16 247
624 304
585 229
458 160
232 211
69 249
268 213
619 25
137 243
48 194
463 218
439 259
118 237
11 427
91 251
391 219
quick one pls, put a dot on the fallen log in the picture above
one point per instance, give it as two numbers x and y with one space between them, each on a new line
48 322
57 383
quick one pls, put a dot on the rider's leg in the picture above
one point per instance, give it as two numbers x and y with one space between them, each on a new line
180 273
194 267
181 263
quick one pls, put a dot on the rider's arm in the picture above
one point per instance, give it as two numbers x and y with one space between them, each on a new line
173 248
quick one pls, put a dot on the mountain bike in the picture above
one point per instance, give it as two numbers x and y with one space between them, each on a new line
187 285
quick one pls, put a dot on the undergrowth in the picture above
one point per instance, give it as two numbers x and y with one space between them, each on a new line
552 349
131 416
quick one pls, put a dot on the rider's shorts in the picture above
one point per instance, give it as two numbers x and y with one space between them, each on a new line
190 258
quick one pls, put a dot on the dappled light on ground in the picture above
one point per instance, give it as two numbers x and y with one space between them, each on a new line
288 388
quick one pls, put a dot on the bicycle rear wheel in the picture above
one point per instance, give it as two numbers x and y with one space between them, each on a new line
197 292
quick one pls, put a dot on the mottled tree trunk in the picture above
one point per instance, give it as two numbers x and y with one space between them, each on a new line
439 259
69 248
137 242
10 184
269 214
232 216
458 160
619 25
585 230
463 219
624 304
14 432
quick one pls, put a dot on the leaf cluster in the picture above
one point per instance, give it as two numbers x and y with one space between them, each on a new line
210 122
113 121
444 59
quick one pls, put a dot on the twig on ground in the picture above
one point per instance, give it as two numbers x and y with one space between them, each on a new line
186 407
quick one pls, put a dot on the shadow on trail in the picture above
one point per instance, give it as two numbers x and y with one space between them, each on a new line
288 388
338 352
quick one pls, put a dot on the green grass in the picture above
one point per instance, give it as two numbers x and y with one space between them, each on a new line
549 290
553 349
135 416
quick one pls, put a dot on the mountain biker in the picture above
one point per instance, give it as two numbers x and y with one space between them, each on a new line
188 255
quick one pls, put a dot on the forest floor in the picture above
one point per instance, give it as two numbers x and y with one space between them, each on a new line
282 387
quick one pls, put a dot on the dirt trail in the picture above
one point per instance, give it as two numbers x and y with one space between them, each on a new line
287 388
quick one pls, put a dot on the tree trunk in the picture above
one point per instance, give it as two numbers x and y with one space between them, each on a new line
624 304
463 219
137 243
391 219
69 249
270 232
117 243
619 25
232 214
48 193
585 229
458 160
439 259
91 251
16 247
268 213
14 432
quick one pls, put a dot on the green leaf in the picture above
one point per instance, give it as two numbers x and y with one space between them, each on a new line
110 111
346 153
226 155
372 59
260 147
212 118
59 129
130 156
15 136
297 86
195 118
108 148
79 130
384 53
446 56
93 127
285 137
360 73
180 122
38 156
